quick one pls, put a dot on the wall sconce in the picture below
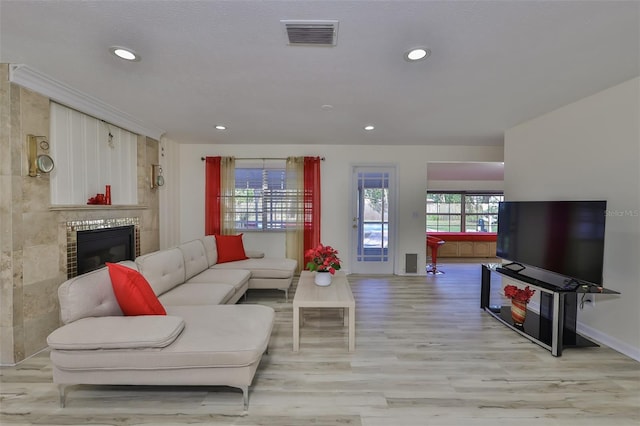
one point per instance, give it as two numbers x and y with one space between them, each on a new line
42 163
157 179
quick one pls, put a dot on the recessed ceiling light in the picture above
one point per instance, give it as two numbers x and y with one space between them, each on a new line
417 54
221 127
125 53
369 127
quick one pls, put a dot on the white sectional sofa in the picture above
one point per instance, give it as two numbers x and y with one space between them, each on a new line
196 262
266 272
204 339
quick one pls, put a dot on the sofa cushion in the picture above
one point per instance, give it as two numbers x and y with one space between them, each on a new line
214 336
133 292
235 277
195 258
198 294
210 247
230 248
141 332
163 269
88 295
266 267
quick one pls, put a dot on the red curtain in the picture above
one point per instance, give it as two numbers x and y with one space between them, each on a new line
311 202
212 224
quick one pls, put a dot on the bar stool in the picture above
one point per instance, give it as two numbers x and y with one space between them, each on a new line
434 243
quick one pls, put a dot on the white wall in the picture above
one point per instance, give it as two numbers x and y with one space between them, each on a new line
465 185
591 150
411 166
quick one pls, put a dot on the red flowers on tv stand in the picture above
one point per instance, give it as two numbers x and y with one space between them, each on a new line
515 293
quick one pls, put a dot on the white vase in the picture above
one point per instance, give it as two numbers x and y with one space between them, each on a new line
323 278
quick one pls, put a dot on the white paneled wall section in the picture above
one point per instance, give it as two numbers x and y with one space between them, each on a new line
90 154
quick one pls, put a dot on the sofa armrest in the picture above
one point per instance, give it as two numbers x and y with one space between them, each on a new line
117 332
253 254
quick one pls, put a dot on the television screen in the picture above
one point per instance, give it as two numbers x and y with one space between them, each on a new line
565 237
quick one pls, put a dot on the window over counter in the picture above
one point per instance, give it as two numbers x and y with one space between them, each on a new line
90 154
261 198
462 211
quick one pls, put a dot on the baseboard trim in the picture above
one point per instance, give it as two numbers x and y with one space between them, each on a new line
23 360
604 339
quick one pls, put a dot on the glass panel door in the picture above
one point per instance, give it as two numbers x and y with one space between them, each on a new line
372 226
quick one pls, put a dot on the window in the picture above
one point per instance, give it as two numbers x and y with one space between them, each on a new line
462 211
262 201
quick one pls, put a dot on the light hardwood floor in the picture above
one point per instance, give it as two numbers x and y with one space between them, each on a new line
425 355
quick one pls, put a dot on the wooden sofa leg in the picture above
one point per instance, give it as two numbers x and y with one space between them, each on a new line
245 397
62 392
286 295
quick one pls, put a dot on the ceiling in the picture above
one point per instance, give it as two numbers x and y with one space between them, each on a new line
494 64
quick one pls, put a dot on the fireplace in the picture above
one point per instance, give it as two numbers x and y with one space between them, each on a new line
91 243
98 246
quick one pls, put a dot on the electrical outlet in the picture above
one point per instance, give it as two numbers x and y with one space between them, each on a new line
589 300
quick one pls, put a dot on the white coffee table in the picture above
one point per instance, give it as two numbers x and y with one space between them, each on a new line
337 295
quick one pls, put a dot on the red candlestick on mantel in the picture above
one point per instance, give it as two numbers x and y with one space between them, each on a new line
107 195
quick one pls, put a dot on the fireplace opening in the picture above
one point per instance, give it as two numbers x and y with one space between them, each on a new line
98 246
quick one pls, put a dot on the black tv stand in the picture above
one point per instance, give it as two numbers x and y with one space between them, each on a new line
554 327
571 285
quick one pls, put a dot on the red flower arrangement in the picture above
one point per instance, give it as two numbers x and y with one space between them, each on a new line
323 258
515 293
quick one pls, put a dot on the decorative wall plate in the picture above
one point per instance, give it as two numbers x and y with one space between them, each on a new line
44 163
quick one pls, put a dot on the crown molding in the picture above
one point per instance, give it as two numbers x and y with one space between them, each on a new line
38 82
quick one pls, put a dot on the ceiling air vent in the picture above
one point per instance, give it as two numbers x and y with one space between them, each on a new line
315 33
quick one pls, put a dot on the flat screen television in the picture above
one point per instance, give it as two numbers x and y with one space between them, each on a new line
564 237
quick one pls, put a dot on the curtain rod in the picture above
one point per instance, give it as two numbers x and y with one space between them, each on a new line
259 158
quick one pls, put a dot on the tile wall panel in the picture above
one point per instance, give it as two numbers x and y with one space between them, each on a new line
33 246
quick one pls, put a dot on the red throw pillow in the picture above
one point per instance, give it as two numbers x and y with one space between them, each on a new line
135 295
230 248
